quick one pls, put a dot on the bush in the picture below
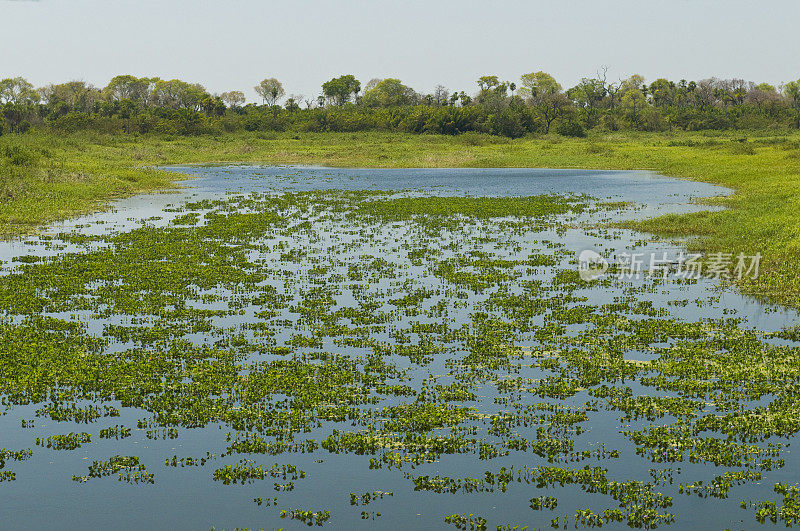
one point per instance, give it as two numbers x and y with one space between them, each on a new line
508 123
609 122
573 129
165 127
19 156
743 148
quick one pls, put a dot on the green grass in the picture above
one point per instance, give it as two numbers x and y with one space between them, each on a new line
46 178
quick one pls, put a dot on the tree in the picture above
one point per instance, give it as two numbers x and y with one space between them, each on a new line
19 98
293 102
613 89
544 93
663 92
128 87
270 90
588 94
507 122
213 105
372 83
792 91
75 95
492 92
704 95
440 95
389 93
764 96
233 99
731 91
340 89
635 82
178 94
488 82
18 91
633 101
537 84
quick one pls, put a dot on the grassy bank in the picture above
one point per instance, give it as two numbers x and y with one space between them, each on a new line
46 178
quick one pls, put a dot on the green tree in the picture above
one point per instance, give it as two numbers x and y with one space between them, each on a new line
633 101
588 94
544 93
765 97
177 94
292 104
488 82
792 92
389 93
492 92
270 90
213 105
340 89
74 95
18 91
663 92
233 98
128 87
765 87
538 83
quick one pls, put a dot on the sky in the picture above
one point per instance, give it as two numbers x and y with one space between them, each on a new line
233 44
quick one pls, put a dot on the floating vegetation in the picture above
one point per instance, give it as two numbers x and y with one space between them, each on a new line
310 518
466 521
368 497
127 469
11 455
788 513
70 441
247 472
445 346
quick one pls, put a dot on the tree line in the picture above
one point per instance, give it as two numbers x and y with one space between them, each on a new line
536 103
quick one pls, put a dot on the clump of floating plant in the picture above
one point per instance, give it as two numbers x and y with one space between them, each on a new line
246 471
788 513
11 455
468 522
368 497
70 441
127 469
310 518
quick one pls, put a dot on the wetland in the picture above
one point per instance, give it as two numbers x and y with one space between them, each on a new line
293 346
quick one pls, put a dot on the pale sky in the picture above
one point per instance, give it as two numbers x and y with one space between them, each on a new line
233 44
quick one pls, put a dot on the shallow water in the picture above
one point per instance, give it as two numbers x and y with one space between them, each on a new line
188 498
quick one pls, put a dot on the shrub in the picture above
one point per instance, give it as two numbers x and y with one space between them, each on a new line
19 156
571 129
